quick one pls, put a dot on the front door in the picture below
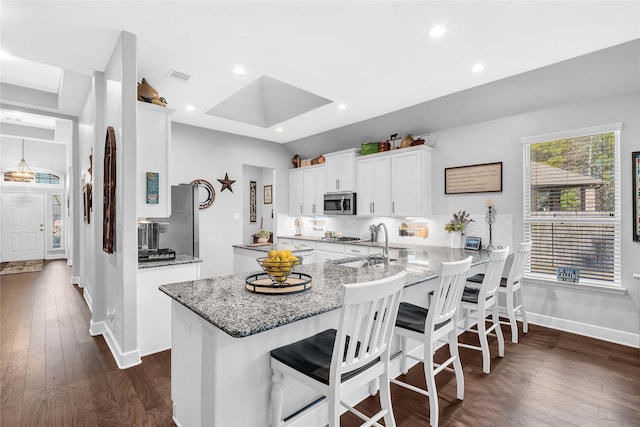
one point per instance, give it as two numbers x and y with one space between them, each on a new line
22 226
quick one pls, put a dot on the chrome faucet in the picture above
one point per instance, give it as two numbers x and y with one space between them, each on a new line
385 251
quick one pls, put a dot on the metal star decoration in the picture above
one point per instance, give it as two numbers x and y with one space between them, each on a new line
226 183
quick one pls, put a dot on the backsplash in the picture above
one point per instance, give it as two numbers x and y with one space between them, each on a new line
407 231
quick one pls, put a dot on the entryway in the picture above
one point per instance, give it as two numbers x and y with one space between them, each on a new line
22 226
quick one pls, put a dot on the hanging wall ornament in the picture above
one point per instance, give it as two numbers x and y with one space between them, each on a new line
109 193
226 183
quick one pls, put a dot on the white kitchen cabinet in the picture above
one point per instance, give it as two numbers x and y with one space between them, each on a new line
153 152
340 173
296 190
373 178
325 251
154 306
410 182
306 191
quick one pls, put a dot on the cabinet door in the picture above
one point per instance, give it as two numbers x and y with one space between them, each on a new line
340 172
296 191
313 194
373 177
153 148
406 188
366 192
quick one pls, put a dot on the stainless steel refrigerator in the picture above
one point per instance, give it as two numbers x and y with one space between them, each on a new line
182 234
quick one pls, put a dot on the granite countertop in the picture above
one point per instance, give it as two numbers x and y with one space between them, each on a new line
226 304
367 243
266 247
180 259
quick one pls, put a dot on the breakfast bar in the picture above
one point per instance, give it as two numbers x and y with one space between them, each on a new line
222 334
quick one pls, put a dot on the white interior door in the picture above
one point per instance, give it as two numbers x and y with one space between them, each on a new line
22 226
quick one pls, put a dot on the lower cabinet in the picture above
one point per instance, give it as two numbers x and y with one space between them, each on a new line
154 306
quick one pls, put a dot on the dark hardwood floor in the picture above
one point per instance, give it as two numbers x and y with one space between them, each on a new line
53 373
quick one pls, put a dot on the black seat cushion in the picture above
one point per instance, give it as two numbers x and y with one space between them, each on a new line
470 295
312 356
478 278
412 317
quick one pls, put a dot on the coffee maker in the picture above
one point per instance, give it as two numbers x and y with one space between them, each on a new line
149 241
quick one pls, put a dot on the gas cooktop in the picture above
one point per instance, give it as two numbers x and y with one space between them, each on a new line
341 239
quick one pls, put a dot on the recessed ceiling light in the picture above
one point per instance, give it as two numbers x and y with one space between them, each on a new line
279 130
341 107
437 31
190 108
239 71
477 68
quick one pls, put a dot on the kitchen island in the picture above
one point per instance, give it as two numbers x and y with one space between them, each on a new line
222 335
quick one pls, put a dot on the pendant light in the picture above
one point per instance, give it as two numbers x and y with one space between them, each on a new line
22 172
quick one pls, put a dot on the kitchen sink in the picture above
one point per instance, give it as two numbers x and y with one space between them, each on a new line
364 262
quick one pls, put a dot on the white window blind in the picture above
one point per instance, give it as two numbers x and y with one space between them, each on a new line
572 204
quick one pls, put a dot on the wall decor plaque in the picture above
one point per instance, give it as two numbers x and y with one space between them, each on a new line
635 157
252 201
481 178
109 193
153 188
268 194
207 194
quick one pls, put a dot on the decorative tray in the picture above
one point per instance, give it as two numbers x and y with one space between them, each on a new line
261 283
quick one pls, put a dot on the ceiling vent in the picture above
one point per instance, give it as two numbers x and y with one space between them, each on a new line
177 75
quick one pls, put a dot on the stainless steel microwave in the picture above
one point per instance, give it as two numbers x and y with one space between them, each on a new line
340 204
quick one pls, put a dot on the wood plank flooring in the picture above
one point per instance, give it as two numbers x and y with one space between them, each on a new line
53 373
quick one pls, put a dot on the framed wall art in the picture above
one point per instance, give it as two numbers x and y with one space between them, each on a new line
252 201
481 178
635 157
109 192
268 196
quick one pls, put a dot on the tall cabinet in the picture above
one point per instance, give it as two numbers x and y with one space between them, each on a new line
340 174
306 190
410 182
153 157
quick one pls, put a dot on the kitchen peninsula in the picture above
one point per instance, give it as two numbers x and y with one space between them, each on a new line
222 334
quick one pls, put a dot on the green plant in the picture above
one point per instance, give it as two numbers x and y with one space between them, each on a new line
458 222
263 233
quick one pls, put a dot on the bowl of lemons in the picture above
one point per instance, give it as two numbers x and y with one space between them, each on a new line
278 265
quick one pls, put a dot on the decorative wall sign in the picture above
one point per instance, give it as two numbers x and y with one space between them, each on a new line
268 195
207 194
87 202
568 274
109 194
226 183
252 201
481 178
635 157
153 188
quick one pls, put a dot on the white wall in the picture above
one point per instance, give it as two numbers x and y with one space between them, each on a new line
205 154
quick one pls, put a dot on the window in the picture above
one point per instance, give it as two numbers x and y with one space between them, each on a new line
56 221
572 205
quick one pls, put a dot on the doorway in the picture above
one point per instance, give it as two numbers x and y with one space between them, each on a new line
22 226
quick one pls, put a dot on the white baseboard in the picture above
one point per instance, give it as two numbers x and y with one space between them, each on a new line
88 298
593 331
75 280
124 360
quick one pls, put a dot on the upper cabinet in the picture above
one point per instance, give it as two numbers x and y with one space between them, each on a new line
154 161
395 183
410 181
306 190
373 175
340 173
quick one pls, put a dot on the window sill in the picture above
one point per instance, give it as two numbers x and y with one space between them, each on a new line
577 286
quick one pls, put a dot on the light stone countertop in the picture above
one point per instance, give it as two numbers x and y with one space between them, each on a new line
180 259
225 303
